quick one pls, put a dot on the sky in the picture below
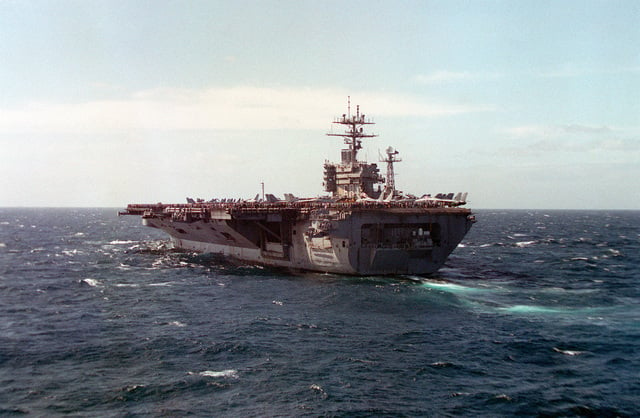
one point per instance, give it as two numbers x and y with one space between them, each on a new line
522 104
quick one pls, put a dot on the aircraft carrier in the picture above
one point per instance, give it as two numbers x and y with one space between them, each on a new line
365 226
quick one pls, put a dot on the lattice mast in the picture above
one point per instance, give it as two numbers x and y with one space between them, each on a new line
354 132
392 157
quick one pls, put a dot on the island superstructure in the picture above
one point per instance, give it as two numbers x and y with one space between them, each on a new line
364 227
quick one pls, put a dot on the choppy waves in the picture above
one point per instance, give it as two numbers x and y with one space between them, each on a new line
534 314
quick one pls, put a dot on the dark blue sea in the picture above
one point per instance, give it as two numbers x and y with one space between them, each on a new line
537 313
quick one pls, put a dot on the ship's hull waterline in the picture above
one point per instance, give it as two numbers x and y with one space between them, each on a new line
357 242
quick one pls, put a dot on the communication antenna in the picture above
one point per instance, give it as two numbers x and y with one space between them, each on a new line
354 132
392 157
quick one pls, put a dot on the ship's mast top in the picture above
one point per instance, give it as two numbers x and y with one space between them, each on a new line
392 157
353 133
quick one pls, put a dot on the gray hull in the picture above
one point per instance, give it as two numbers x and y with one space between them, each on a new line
366 241
366 226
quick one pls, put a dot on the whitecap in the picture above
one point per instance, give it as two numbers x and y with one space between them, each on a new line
441 364
78 234
177 324
230 373
71 253
90 282
277 302
127 285
3 245
119 242
167 284
523 244
568 352
319 389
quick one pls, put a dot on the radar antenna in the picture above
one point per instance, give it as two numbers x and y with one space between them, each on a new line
353 133
392 157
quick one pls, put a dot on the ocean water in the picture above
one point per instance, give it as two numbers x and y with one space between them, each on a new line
537 313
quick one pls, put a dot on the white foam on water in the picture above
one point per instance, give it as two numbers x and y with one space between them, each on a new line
3 245
157 263
127 285
123 266
177 324
523 244
569 291
579 259
78 234
451 287
567 352
165 284
119 242
230 373
441 364
277 302
318 389
91 282
614 253
531 309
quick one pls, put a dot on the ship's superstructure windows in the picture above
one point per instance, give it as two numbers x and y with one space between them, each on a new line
352 178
